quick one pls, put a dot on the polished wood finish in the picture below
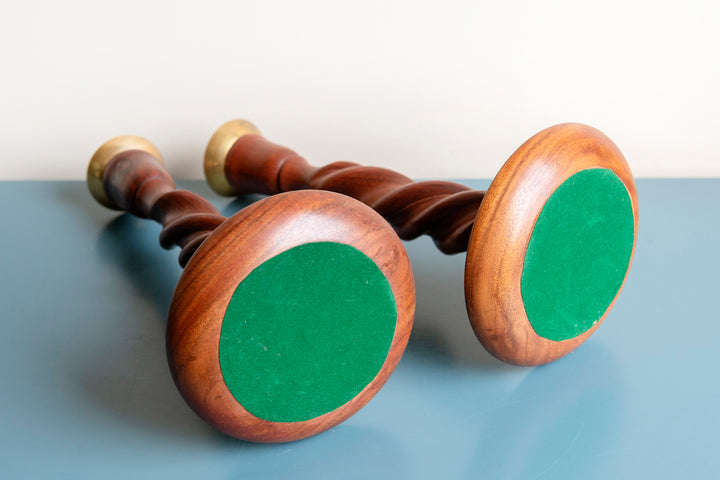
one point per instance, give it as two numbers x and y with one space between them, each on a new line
504 224
135 181
494 226
221 253
264 230
443 210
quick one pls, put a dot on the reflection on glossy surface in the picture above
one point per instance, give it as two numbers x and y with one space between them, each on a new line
561 419
346 451
86 383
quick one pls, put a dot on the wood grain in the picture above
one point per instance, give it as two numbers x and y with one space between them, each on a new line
245 241
502 230
494 226
443 210
135 181
220 253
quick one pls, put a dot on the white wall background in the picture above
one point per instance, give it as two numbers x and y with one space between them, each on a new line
432 89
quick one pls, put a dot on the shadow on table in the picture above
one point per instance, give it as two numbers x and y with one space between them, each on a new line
123 371
120 371
127 374
442 334
132 245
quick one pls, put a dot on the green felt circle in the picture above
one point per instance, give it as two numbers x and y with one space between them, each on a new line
578 254
306 331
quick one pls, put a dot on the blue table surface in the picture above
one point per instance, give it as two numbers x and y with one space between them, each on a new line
86 391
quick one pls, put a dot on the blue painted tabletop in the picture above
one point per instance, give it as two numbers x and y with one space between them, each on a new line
86 391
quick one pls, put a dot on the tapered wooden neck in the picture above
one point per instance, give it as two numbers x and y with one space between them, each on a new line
443 210
136 182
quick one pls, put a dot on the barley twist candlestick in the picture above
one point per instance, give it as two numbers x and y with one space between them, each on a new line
289 316
548 245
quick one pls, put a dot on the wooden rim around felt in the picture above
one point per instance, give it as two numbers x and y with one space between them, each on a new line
246 240
504 225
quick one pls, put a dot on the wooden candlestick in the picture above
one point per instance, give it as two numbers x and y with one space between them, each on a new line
548 245
289 316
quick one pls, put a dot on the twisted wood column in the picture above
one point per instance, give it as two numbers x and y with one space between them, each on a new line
548 245
443 210
135 181
289 316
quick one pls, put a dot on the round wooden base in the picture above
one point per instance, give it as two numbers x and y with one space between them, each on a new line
503 228
245 241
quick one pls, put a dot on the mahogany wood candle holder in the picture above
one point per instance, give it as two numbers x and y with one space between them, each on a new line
288 317
549 245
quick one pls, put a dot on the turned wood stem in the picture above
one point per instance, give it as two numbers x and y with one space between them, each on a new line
443 210
323 285
522 322
136 182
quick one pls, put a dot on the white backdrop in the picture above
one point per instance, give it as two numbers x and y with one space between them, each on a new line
432 89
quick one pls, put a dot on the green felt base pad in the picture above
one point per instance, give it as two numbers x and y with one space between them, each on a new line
578 254
306 331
